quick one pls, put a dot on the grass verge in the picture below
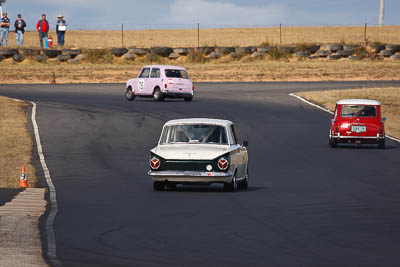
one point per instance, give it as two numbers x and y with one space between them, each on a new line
15 144
389 98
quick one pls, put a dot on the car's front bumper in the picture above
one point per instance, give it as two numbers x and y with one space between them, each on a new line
191 176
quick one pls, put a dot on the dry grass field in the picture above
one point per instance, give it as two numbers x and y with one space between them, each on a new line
224 69
15 144
221 37
389 98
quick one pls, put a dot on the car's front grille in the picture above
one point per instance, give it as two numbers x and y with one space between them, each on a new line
187 165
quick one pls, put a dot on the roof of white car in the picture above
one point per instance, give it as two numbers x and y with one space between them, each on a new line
164 67
358 102
199 121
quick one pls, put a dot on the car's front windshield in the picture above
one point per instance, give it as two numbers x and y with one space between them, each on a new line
358 111
194 134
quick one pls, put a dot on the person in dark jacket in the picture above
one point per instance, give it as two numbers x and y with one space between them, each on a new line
43 28
4 29
61 27
19 30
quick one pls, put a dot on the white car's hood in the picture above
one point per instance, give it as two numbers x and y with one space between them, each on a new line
190 152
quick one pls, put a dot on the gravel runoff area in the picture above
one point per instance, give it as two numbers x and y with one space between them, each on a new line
20 242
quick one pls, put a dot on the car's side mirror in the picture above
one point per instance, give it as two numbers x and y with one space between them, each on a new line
245 143
383 119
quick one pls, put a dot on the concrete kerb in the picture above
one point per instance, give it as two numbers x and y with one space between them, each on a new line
327 110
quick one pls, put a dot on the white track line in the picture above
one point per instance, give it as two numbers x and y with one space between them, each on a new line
327 110
51 241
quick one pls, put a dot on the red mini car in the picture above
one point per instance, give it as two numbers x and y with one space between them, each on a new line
357 121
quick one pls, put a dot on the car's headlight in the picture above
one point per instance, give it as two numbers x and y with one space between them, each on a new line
154 163
223 164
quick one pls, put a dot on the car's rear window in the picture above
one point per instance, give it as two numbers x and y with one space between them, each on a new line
171 73
358 111
194 134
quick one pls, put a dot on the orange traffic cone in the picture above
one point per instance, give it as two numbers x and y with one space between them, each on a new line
23 181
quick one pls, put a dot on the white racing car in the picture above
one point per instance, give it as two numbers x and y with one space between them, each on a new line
199 151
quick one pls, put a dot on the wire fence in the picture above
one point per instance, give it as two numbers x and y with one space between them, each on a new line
128 33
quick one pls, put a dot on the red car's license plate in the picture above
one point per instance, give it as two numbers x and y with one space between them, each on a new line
358 129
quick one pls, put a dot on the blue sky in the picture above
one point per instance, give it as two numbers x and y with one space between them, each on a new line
153 14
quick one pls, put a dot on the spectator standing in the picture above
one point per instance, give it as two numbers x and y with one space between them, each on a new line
4 29
43 28
61 27
19 30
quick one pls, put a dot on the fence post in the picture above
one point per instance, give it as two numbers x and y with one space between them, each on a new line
365 33
198 35
122 32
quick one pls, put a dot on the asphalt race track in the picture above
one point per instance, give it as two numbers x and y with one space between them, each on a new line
307 205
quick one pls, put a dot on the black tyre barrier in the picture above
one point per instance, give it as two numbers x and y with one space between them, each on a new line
258 54
386 53
245 50
225 50
314 48
8 52
375 47
18 58
302 54
41 58
51 53
162 51
118 52
264 49
63 58
323 53
395 48
183 51
332 47
334 57
350 47
174 55
29 52
139 51
287 49
74 61
215 55
206 50
128 56
71 52
345 53
355 57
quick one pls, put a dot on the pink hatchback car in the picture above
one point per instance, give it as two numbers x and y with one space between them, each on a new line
159 82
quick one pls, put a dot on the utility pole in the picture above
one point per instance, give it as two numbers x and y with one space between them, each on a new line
381 10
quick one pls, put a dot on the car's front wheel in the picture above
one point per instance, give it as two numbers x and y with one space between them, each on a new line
129 95
245 183
158 95
158 186
381 144
188 99
232 186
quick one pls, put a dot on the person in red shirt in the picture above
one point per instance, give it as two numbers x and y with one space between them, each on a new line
43 28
